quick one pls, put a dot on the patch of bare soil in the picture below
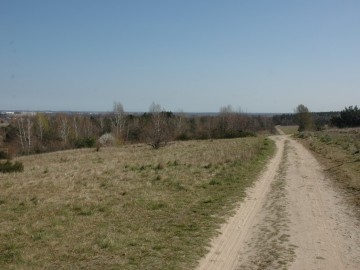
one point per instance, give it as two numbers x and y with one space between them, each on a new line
293 218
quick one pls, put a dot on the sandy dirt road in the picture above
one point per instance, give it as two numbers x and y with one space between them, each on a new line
293 218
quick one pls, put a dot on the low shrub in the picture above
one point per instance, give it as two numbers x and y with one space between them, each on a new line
4 155
304 135
183 137
8 166
107 139
86 142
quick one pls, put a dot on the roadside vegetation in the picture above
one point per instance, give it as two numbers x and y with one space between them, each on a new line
124 208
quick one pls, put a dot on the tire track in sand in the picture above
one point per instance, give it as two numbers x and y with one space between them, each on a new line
229 245
291 219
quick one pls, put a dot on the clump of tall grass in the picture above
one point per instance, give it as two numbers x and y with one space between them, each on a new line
8 166
4 155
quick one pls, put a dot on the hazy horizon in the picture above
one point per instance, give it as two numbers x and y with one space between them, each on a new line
192 56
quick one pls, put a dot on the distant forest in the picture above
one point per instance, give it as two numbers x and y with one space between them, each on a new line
349 117
42 132
321 119
27 133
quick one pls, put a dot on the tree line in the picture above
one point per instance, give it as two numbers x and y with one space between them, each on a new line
320 119
349 117
27 134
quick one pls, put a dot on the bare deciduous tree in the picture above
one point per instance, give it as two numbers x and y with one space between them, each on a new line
24 127
64 129
119 118
158 133
41 125
180 124
76 127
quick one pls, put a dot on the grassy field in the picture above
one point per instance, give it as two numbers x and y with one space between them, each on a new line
124 208
339 151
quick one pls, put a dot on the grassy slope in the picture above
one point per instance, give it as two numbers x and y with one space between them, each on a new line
339 152
124 208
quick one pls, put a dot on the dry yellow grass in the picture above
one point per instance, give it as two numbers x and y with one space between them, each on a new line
289 129
123 208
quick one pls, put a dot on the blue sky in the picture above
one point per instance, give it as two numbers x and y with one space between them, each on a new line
190 55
